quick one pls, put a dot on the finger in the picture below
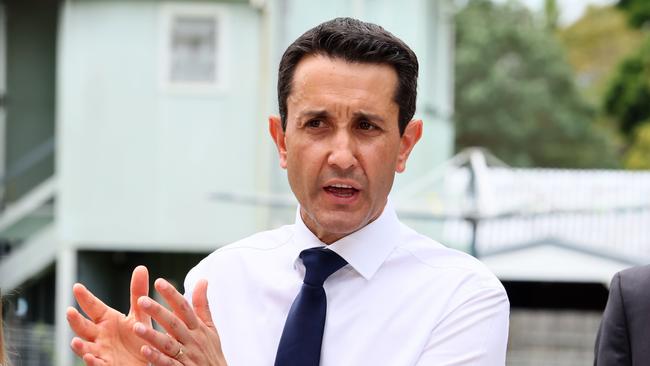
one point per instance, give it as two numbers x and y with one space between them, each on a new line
83 327
177 302
91 360
157 358
81 347
162 342
89 303
200 303
139 287
168 320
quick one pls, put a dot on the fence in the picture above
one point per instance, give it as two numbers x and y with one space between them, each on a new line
30 344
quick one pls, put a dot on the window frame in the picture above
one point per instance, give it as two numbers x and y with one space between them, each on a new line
168 13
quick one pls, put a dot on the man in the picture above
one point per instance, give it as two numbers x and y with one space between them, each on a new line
347 284
624 334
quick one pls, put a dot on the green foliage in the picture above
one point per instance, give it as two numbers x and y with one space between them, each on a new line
638 155
515 94
595 45
552 14
638 10
628 97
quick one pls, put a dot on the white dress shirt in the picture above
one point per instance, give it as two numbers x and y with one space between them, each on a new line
403 299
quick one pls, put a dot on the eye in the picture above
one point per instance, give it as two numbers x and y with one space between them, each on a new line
314 123
365 125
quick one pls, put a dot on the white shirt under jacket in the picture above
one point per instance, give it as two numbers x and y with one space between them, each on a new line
403 299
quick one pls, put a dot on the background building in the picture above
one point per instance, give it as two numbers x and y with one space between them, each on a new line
131 130
554 237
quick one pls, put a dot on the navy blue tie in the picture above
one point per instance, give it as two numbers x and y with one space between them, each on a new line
302 336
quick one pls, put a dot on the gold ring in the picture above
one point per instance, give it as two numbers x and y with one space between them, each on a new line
179 353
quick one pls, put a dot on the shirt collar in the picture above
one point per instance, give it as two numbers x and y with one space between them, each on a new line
365 250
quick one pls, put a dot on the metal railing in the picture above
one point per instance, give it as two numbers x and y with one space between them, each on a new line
32 201
30 344
35 156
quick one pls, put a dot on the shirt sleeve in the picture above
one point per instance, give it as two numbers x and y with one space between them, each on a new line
474 333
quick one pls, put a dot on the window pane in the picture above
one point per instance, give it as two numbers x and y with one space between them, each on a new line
194 41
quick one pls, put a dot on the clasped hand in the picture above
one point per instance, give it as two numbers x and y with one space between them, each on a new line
110 338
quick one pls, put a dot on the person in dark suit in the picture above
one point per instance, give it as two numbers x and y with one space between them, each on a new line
624 333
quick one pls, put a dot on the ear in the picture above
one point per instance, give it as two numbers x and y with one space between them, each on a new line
411 136
278 136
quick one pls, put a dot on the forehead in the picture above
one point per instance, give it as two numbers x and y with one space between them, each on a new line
322 81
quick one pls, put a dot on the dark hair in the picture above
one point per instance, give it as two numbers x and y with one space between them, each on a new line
354 41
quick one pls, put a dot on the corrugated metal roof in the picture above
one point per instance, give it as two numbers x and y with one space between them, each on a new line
602 212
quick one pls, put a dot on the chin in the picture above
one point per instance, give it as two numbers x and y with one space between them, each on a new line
340 226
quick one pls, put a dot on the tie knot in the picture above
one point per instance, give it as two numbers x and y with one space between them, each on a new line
320 263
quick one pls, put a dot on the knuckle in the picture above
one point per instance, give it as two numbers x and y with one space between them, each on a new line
185 307
168 346
155 357
174 324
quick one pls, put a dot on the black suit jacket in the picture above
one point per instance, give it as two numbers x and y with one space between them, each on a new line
624 334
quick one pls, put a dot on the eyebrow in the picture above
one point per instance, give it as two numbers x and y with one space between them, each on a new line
322 113
369 116
316 113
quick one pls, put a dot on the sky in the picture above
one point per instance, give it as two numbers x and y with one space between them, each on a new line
570 10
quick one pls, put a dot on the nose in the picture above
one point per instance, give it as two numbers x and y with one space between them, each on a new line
343 151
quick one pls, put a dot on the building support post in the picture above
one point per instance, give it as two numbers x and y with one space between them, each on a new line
66 276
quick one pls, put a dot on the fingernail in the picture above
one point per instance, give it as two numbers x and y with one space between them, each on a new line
146 351
144 302
162 284
139 328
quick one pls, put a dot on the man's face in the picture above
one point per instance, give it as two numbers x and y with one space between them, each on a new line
342 146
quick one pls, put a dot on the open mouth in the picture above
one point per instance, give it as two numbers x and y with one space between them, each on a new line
341 190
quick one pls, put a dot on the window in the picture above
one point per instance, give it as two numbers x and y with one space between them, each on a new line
192 48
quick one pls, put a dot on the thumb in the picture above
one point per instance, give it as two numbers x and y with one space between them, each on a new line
200 303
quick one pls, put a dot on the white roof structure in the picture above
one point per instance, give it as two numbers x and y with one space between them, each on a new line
537 224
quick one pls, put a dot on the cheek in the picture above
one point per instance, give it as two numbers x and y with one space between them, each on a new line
302 162
380 164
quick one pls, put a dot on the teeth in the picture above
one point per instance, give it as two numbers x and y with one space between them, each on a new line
340 186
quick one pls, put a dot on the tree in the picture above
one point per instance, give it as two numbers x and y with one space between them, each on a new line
595 45
638 155
628 97
638 10
515 93
552 14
